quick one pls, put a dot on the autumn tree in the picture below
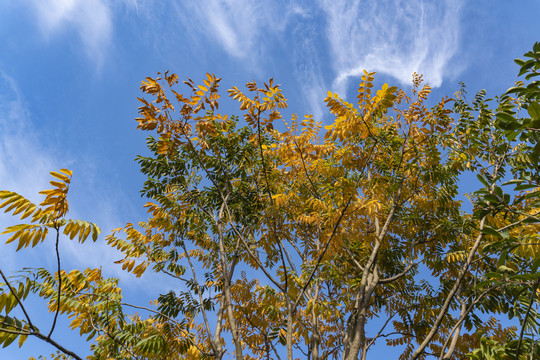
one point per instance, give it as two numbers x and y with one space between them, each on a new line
292 240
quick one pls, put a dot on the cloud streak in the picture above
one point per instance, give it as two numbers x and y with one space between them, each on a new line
91 20
25 163
239 26
393 37
307 65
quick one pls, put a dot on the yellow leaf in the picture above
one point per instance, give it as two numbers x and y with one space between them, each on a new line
29 210
52 192
87 231
23 240
14 236
58 184
22 339
60 176
15 205
40 236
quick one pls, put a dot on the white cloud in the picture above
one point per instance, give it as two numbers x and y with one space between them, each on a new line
393 37
248 29
307 67
25 163
240 26
91 19
234 24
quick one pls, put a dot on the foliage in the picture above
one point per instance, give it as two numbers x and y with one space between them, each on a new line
289 240
60 288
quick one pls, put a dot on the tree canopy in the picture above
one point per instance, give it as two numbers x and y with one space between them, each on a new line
290 239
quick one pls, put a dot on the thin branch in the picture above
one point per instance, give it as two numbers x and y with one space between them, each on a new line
59 281
451 294
243 240
398 276
379 334
205 318
306 172
444 309
99 330
351 255
152 311
533 294
461 319
19 302
56 345
269 191
528 216
334 231
18 331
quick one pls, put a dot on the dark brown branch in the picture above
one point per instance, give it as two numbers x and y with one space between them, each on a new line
19 302
59 281
533 294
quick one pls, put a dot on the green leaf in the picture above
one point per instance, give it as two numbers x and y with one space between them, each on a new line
492 199
535 265
534 110
525 187
513 181
529 64
488 230
505 269
502 258
515 89
506 117
482 179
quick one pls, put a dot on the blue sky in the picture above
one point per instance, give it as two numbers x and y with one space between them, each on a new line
70 72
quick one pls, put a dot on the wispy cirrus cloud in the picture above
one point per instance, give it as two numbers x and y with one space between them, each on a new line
90 19
25 162
393 37
248 31
308 65
240 26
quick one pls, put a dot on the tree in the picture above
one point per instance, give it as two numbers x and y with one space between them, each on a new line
291 241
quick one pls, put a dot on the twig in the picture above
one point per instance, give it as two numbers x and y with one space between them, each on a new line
59 281
533 293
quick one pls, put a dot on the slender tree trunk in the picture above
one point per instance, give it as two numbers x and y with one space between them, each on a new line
227 290
289 329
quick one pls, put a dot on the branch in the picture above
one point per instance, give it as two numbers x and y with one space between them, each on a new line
205 318
269 191
56 345
305 170
168 318
533 293
59 281
226 284
528 216
19 302
450 296
461 275
334 230
372 341
398 276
